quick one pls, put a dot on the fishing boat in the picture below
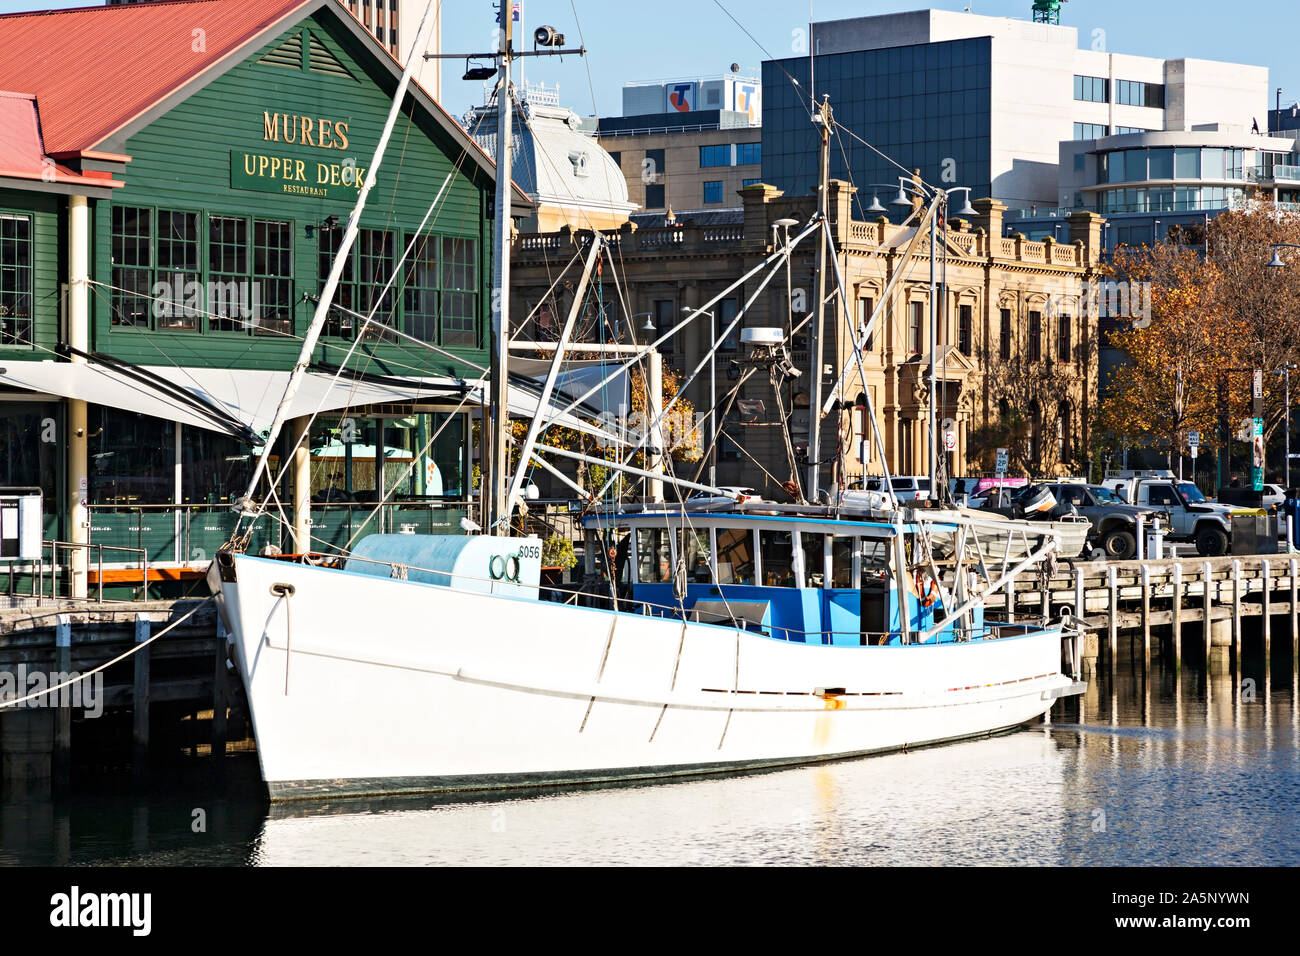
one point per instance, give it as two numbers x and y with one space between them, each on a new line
702 641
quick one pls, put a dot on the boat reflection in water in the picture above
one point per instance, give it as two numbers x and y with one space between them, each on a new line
996 800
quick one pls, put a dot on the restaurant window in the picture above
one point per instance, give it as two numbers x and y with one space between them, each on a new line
250 276
15 280
132 458
459 291
29 435
155 269
365 273
215 467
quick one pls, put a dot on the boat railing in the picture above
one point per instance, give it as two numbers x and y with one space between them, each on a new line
569 595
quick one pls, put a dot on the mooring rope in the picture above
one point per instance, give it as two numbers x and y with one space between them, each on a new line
121 657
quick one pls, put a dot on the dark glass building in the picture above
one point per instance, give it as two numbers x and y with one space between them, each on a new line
927 106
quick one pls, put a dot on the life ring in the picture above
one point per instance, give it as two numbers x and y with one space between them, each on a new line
927 589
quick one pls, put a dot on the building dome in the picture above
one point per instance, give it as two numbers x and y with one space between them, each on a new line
574 181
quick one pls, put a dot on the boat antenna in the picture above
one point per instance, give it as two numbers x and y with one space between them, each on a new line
496 424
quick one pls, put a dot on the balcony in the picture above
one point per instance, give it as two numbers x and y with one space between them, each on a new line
1274 174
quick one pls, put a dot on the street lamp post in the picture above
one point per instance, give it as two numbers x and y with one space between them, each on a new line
940 198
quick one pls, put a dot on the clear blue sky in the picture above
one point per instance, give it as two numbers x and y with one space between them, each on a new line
632 40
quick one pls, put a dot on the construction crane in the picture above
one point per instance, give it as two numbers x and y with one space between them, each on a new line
1048 11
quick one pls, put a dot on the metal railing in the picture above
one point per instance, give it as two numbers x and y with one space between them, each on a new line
38 579
186 534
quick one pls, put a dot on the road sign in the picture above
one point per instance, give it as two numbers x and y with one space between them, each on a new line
1193 439
1193 450
1257 454
949 441
1257 384
1002 462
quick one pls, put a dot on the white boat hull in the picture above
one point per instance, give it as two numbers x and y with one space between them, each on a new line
394 686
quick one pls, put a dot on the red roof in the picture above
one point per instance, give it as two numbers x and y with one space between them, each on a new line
22 155
94 69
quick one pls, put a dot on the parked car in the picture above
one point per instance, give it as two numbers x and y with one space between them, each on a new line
905 487
1192 516
1274 496
731 494
1114 521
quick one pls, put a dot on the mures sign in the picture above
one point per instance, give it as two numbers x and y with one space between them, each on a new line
275 169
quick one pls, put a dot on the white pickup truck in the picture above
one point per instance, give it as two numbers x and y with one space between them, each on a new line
1192 516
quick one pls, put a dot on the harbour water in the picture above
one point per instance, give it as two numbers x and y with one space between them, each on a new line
1173 769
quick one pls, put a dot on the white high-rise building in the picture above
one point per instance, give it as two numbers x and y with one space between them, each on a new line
992 96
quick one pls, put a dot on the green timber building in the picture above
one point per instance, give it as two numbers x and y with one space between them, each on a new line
173 188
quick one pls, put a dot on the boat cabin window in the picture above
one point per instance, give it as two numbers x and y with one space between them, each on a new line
777 558
814 559
654 563
875 558
735 556
841 562
694 544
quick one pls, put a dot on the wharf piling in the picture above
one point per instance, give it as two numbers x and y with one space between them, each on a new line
1171 605
177 698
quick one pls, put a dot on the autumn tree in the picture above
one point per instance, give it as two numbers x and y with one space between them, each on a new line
1216 311
1033 391
1169 384
1261 304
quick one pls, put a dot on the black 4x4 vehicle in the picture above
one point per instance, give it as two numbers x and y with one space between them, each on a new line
1114 522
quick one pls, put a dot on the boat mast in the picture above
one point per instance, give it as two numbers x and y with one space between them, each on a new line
498 420
821 119
247 504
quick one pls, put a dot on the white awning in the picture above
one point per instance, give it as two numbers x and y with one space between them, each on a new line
235 400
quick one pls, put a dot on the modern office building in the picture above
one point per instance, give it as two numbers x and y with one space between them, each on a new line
980 101
1146 184
687 145
165 229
